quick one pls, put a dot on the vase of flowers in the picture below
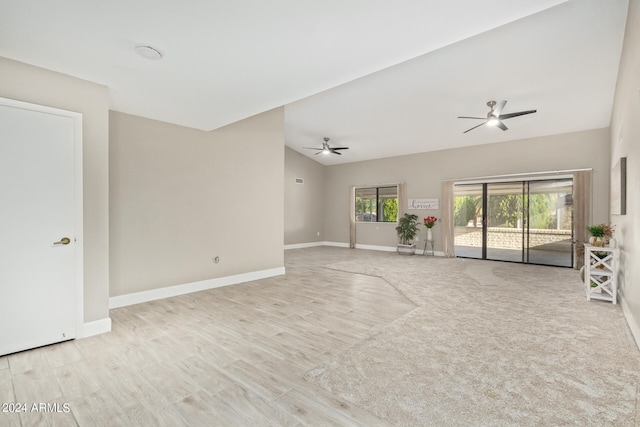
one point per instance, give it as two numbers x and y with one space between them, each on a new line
600 234
429 222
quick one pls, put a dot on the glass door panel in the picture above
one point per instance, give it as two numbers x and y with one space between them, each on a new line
468 235
505 221
550 222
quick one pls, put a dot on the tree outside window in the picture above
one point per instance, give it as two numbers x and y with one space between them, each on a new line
377 204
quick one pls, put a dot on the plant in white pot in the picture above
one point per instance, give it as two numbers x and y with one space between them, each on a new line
601 234
407 230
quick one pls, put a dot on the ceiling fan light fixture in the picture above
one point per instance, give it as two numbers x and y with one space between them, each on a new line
327 149
495 117
148 52
493 121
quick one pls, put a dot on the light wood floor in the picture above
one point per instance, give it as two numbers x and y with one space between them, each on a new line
506 344
227 356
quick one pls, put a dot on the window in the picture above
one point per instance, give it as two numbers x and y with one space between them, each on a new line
377 204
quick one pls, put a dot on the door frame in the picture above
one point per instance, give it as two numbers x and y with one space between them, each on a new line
78 199
526 180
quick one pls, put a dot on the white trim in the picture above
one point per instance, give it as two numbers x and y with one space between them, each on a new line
78 198
336 244
96 327
304 245
631 321
172 291
358 246
419 251
79 223
526 176
514 179
377 248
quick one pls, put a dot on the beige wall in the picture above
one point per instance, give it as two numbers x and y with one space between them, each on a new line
625 142
39 86
303 203
180 197
423 174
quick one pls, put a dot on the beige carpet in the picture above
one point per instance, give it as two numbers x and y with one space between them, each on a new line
490 343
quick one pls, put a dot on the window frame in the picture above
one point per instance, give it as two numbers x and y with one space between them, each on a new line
379 212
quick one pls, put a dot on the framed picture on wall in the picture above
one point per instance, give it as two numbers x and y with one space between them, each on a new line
619 187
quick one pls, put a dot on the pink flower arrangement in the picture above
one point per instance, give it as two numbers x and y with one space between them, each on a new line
430 221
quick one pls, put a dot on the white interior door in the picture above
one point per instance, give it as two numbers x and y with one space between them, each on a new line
38 275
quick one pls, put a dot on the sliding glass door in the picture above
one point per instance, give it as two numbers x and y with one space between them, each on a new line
468 218
505 221
551 222
518 221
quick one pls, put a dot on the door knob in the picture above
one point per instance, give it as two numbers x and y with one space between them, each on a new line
63 241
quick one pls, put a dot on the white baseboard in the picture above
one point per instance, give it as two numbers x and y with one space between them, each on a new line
315 244
96 327
304 245
340 245
172 291
376 248
634 326
336 244
358 246
419 251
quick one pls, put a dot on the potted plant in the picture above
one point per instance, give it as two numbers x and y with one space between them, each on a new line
600 233
407 229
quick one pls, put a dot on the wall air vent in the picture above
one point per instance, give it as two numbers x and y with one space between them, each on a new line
299 180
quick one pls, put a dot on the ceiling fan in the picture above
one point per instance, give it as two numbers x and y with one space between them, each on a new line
326 149
495 116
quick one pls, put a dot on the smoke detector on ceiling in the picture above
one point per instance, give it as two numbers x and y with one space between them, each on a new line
148 52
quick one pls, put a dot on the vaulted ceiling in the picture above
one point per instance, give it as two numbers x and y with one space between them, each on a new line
384 78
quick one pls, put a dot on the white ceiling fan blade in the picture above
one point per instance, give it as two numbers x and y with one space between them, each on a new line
474 127
499 107
519 113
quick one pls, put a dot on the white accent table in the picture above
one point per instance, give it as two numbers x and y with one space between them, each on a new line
601 272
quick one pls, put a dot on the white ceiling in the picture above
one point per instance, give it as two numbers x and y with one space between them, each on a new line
385 78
